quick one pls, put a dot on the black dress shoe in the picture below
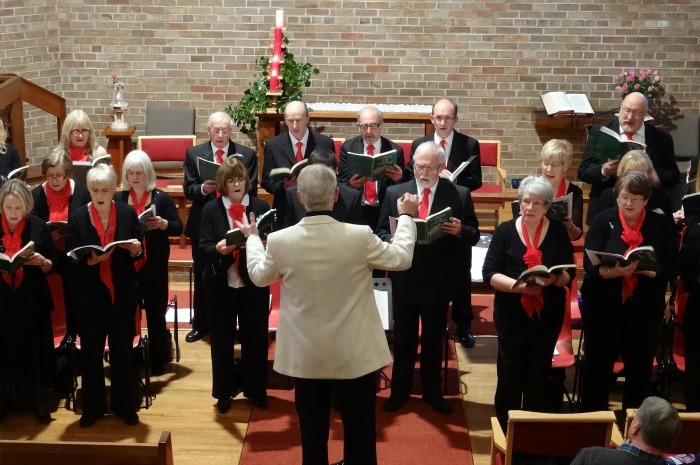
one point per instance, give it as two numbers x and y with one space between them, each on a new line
466 338
439 404
195 335
129 418
42 413
89 419
393 403
224 405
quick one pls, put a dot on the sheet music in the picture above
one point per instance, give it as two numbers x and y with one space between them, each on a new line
382 300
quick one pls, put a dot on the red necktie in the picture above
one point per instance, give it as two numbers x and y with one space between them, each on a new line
630 135
424 206
370 186
300 156
219 156
442 145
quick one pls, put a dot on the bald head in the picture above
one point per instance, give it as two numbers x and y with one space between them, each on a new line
296 117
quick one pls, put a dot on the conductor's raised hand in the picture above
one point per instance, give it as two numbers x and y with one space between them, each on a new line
248 226
408 203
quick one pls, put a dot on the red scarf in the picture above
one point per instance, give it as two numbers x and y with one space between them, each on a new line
532 258
236 212
58 202
633 238
12 243
140 207
78 154
106 236
561 191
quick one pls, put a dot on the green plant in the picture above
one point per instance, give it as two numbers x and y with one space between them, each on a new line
294 78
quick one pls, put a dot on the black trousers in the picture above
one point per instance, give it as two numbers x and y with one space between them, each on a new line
433 320
462 311
153 292
357 398
199 312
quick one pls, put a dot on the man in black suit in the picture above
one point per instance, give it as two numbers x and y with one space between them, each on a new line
370 141
630 123
424 291
287 149
459 148
346 207
200 191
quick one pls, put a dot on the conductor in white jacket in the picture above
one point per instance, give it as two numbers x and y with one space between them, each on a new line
330 336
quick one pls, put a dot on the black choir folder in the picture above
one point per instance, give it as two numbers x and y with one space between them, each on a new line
207 169
11 264
609 145
265 223
644 254
537 274
561 103
372 167
691 205
81 168
461 167
86 250
429 229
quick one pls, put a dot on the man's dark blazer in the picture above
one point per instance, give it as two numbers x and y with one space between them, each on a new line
9 160
346 209
432 276
356 145
463 147
193 183
279 153
659 148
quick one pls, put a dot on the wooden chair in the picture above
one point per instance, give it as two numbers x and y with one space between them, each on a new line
168 155
687 442
490 156
551 434
16 452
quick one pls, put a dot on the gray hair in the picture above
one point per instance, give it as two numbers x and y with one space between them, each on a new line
138 159
431 146
377 111
538 187
317 186
101 175
634 182
659 423
220 116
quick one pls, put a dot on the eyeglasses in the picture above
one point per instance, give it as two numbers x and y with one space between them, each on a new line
55 177
532 203
444 119
625 199
80 132
426 169
221 132
634 114
236 180
365 127
552 165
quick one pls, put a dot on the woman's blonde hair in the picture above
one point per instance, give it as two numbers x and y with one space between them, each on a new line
77 119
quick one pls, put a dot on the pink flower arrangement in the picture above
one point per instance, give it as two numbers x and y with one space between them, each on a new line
644 80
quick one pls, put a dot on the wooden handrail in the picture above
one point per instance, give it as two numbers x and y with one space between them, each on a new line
14 91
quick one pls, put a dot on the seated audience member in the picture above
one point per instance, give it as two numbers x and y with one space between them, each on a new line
330 341
78 137
622 307
555 160
27 362
287 149
138 189
370 141
631 124
9 155
458 148
106 297
638 160
200 191
528 316
346 207
232 298
653 431
423 292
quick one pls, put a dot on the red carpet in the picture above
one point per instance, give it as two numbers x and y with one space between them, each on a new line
415 434
483 315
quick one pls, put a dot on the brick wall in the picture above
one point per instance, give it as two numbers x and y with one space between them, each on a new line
494 58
